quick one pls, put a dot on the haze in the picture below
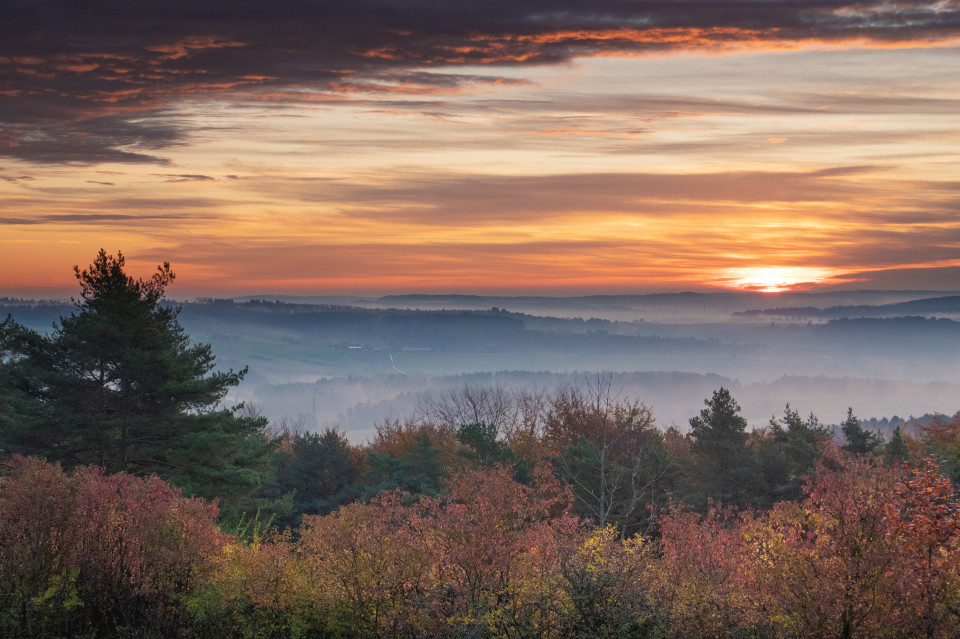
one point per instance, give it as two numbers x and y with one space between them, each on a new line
886 354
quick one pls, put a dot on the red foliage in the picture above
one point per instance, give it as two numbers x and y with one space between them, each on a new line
365 565
484 555
91 548
701 581
594 413
871 551
824 566
924 524
488 540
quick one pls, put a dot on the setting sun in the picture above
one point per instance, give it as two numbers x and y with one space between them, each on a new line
775 279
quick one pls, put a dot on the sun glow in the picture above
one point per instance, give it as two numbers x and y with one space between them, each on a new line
774 279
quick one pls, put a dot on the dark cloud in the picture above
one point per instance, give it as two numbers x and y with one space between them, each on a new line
77 77
83 140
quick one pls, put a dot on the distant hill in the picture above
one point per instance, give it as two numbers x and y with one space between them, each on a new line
669 308
343 326
453 301
682 307
949 305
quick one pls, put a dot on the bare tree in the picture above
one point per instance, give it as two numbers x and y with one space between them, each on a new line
607 450
473 404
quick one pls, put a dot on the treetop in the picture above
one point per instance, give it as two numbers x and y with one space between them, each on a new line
106 277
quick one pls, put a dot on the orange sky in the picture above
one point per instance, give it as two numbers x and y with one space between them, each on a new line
632 159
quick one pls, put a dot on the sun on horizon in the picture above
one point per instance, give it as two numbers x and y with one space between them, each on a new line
776 279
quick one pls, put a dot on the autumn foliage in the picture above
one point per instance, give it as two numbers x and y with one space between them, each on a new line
870 551
924 527
96 554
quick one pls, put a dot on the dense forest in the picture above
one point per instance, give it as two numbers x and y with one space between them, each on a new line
135 502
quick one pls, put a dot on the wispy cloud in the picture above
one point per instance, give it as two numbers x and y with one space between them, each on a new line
444 200
88 219
187 177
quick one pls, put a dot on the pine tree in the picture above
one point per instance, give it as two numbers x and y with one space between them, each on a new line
728 471
858 440
118 384
418 471
319 470
896 451
788 454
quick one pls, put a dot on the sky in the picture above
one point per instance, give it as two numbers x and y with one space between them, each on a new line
481 146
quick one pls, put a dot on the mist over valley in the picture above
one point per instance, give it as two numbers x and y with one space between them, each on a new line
351 363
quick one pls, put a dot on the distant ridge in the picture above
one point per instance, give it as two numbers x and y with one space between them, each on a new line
934 305
601 299
437 298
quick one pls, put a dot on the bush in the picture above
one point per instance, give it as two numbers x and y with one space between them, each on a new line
91 554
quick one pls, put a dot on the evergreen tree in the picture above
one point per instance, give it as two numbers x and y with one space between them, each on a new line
418 472
482 446
119 385
896 450
19 412
858 440
728 471
788 455
320 472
